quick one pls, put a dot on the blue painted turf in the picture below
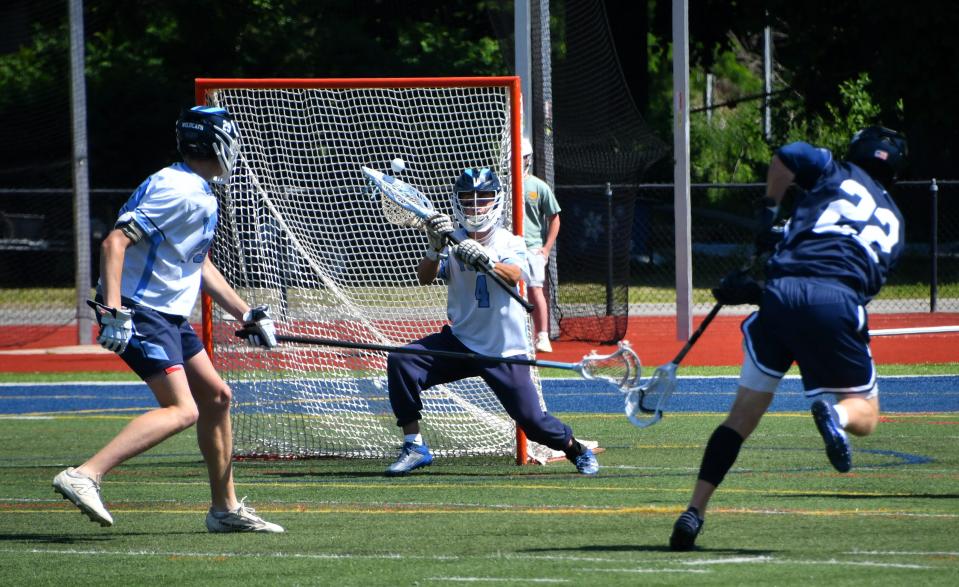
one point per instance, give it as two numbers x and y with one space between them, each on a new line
693 394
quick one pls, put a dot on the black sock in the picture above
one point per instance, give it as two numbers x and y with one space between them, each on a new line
574 449
720 454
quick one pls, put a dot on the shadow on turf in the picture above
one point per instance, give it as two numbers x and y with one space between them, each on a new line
650 548
75 538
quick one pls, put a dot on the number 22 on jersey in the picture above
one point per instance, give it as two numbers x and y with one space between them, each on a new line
881 225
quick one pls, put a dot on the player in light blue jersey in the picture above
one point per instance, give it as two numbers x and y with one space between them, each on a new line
540 229
832 257
153 265
483 319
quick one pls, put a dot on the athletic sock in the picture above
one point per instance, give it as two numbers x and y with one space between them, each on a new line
574 450
842 414
416 439
720 454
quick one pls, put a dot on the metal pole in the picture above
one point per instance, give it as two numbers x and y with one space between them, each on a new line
681 198
609 249
767 80
934 246
709 98
81 177
521 57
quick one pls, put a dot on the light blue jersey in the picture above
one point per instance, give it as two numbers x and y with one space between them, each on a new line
481 314
177 213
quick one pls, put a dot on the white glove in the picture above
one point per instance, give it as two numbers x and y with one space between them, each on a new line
258 323
116 328
473 253
438 227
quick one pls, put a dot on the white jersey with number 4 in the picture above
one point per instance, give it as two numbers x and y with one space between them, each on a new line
481 314
177 213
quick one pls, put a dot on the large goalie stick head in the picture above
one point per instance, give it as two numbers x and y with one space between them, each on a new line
620 368
403 204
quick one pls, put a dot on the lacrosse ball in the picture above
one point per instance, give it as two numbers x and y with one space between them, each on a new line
398 165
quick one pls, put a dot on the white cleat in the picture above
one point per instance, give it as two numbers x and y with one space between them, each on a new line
84 492
242 519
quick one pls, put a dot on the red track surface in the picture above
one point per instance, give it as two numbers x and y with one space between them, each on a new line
654 339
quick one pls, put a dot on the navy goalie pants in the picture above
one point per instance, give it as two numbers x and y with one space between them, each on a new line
408 375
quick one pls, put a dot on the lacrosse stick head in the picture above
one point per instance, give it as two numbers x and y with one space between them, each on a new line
645 404
402 204
620 368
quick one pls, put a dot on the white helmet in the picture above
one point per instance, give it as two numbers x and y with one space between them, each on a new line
484 210
527 148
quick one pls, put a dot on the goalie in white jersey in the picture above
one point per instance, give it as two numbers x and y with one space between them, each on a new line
484 320
153 265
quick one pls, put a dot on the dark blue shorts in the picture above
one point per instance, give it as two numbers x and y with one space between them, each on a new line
159 341
512 384
820 325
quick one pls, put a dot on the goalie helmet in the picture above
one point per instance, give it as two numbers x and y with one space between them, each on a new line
206 132
880 151
478 199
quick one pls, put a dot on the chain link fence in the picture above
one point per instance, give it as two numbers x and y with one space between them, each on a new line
925 280
632 259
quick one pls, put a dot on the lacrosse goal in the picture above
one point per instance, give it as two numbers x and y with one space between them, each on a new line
299 231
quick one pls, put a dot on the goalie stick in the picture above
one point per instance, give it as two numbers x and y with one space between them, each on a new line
620 368
651 398
404 205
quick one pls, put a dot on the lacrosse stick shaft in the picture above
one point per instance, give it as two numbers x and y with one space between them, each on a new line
915 330
415 351
699 332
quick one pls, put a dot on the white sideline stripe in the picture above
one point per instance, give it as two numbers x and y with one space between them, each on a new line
495 580
333 556
6 417
903 553
774 561
638 571
916 330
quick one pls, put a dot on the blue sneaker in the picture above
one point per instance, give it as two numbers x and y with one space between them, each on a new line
586 463
412 456
685 530
837 443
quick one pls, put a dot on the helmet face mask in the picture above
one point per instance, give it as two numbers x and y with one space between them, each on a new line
205 132
478 199
880 151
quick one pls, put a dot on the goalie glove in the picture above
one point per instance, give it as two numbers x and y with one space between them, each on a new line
116 327
738 288
474 254
258 323
438 227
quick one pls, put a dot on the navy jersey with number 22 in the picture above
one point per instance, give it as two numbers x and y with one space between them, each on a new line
845 227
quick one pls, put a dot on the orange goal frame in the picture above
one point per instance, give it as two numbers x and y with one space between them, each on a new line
205 85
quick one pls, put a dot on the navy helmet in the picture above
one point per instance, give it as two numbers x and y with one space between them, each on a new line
207 132
880 151
478 199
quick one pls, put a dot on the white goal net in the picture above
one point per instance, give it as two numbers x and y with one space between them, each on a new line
298 230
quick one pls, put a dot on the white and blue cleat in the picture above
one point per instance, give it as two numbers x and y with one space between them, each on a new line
586 463
837 443
412 456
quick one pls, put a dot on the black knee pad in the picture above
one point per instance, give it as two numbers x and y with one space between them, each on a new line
720 454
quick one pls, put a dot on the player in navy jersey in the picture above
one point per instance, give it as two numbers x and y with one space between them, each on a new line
834 256
153 265
483 319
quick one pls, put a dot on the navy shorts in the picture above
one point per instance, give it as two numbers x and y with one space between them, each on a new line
409 374
817 323
159 341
